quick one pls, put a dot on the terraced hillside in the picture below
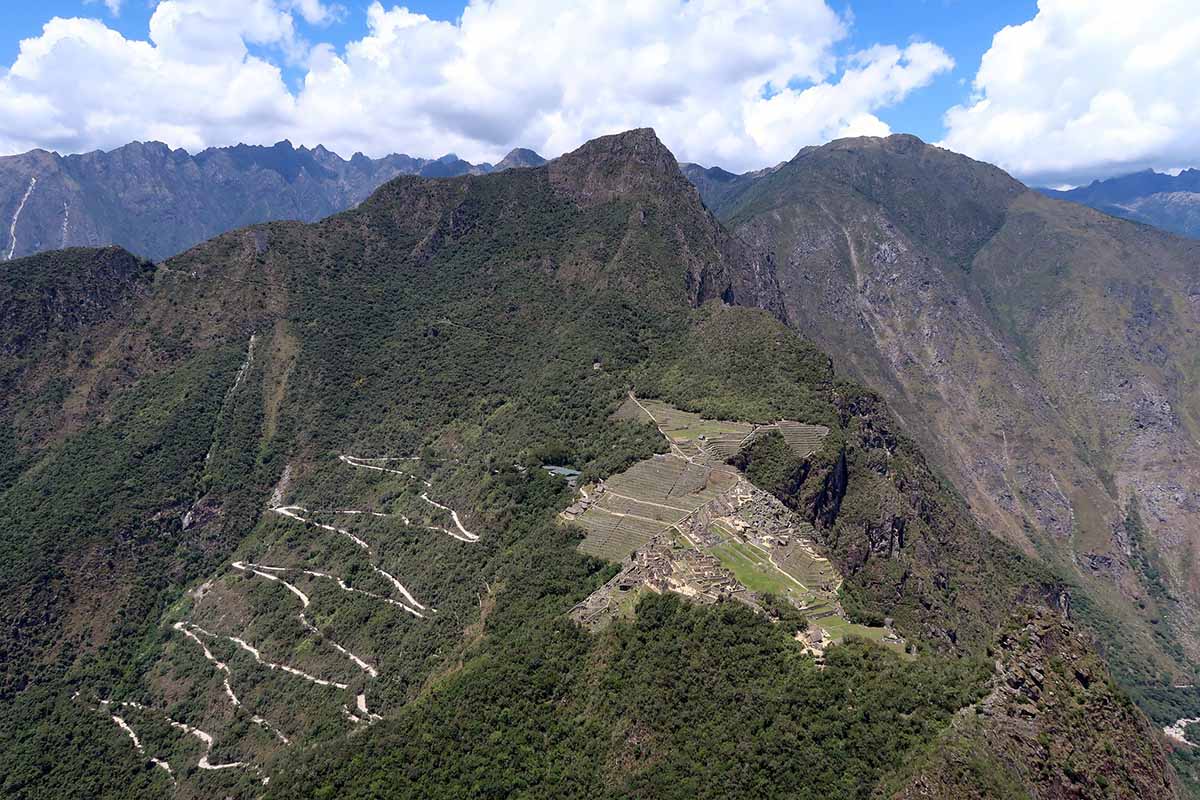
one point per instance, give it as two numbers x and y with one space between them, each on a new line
703 507
716 441
647 499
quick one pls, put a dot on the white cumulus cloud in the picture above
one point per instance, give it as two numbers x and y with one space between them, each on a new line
1087 88
742 83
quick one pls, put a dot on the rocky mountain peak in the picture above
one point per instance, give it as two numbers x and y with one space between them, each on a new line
520 157
632 162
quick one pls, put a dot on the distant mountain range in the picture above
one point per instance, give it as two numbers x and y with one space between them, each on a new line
157 202
1170 202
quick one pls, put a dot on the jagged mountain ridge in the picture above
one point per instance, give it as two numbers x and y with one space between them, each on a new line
1170 202
1040 350
468 321
157 202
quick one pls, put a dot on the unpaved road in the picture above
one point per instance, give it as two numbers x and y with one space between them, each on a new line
203 736
294 512
224 668
463 535
255 569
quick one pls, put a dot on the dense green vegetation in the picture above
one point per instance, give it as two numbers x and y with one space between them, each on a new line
741 365
90 502
773 466
681 702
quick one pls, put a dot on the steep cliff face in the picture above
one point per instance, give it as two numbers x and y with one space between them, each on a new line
1038 351
158 202
637 165
904 541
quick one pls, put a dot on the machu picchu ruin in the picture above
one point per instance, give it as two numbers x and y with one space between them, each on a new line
688 522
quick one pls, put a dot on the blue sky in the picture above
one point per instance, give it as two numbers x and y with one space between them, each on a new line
1057 92
964 28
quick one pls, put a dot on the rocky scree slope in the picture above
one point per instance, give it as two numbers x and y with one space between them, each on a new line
472 323
157 202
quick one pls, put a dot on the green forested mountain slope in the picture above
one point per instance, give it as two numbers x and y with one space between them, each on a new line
282 518
1041 352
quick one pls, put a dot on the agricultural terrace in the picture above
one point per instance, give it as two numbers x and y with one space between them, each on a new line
647 499
716 441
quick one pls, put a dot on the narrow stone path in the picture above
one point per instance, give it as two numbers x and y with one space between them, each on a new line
611 493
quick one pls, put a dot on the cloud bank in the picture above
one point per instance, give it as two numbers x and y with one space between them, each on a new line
740 83
1087 88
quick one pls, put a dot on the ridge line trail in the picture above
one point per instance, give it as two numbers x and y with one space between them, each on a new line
464 535
12 230
304 620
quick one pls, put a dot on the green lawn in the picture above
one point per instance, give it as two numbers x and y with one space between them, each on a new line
683 426
755 571
839 629
758 573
